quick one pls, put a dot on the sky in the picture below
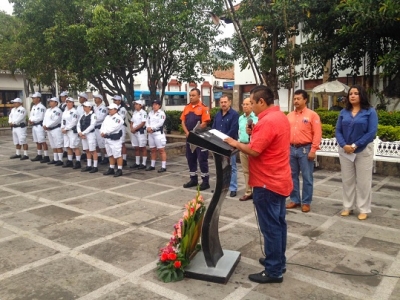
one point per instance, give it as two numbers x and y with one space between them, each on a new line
6 6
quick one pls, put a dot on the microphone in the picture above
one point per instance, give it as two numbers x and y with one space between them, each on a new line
250 123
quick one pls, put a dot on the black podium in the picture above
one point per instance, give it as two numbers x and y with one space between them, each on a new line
213 263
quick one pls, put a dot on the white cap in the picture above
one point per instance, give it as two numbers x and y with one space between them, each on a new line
116 97
113 106
70 99
141 102
63 94
98 96
83 95
87 103
36 95
53 99
16 100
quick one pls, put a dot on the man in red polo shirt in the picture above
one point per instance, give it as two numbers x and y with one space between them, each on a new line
270 178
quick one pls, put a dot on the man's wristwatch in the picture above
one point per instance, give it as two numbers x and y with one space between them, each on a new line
354 146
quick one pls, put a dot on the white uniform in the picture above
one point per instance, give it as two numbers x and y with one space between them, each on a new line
112 125
90 141
101 112
155 121
79 111
17 118
122 112
69 121
52 120
139 138
36 117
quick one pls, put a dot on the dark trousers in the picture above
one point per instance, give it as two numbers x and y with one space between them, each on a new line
200 155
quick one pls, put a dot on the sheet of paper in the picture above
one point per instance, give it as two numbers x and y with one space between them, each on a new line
349 156
219 134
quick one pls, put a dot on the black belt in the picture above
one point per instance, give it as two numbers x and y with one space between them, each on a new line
300 145
22 125
38 123
97 126
54 127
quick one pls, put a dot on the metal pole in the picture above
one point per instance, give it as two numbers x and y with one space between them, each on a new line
56 82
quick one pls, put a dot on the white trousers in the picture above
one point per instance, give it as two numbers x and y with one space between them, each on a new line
19 135
138 140
71 139
113 148
157 139
357 180
90 142
38 134
55 137
99 139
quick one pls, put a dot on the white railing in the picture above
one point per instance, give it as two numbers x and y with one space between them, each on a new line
383 151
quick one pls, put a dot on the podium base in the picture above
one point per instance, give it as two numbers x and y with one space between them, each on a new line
198 269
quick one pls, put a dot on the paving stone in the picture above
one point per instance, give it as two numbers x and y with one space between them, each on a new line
5 194
98 201
33 185
5 233
131 291
344 233
16 203
15 178
58 193
142 189
237 237
379 246
175 197
107 182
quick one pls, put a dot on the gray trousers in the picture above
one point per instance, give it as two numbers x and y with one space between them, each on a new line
357 180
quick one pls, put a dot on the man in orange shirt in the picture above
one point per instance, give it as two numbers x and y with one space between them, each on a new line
305 137
268 153
195 112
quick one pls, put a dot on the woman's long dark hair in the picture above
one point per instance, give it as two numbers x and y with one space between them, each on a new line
364 101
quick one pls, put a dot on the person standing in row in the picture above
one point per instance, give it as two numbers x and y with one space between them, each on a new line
122 112
71 139
248 119
63 99
52 125
111 131
101 113
157 140
82 98
305 137
227 121
16 120
139 134
356 128
268 152
38 134
85 128
196 112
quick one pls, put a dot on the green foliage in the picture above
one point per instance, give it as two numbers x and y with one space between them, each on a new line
391 118
328 117
328 131
173 118
388 133
4 122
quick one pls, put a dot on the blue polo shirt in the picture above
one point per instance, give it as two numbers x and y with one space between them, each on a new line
228 123
360 130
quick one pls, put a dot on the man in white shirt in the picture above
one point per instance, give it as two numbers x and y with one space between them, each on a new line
16 119
52 125
139 134
101 113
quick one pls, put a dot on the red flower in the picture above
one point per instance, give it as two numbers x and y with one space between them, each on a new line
171 256
164 257
177 264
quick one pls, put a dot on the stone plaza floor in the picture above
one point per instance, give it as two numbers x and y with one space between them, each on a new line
65 234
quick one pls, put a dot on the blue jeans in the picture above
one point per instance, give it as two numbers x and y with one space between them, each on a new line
233 183
299 162
271 212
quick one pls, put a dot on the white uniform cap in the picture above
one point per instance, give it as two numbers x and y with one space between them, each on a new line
53 99
70 99
36 95
63 94
116 97
141 102
113 106
87 103
83 95
98 96
16 100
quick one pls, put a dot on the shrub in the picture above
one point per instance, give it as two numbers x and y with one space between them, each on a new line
388 133
328 131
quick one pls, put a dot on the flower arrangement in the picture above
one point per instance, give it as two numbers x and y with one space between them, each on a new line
176 255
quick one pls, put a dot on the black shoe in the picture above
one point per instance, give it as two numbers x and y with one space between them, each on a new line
162 170
87 169
65 154
150 168
134 166
109 172
59 163
45 159
261 260
118 173
190 184
204 186
83 156
77 165
263 277
94 170
53 162
232 194
125 163
37 158
141 167
15 156
68 164
24 157
104 161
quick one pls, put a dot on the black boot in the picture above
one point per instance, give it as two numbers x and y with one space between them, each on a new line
37 158
118 173
190 184
94 170
24 157
68 164
104 161
77 165
109 172
53 162
45 159
15 156
87 169
59 163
